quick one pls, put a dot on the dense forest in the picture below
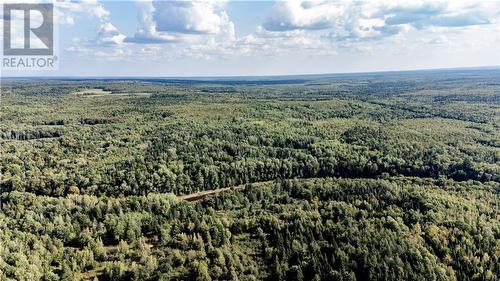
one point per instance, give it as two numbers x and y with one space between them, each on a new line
385 176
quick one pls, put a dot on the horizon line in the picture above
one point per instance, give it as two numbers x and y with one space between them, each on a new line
217 77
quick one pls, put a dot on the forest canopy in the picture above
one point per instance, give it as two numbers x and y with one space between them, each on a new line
351 177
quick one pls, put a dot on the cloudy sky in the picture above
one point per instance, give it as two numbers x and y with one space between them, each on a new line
213 38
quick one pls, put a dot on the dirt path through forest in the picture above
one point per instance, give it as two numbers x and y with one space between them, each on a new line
202 194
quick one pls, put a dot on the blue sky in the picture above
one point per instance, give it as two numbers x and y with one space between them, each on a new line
225 38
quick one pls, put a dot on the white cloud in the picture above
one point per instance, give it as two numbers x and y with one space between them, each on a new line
199 17
67 9
203 29
109 35
147 32
173 21
440 40
359 20
309 15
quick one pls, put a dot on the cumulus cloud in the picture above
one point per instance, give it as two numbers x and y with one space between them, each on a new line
308 15
203 29
278 43
108 34
200 17
66 9
342 20
440 40
147 32
173 21
359 20
447 14
199 29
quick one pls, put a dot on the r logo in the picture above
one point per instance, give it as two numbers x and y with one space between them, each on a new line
44 32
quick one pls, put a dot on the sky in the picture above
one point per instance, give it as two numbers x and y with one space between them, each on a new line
253 38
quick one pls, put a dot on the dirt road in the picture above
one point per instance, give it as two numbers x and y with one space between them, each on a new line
202 194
